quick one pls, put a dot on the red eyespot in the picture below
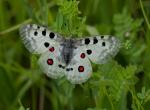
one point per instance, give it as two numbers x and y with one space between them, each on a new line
50 61
51 49
81 68
82 55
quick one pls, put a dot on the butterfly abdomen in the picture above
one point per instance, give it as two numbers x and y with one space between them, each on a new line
67 51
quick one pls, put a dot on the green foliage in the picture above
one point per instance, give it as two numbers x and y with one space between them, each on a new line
110 85
120 84
68 21
126 27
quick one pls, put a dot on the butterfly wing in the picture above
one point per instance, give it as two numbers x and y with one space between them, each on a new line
51 64
37 39
79 69
100 49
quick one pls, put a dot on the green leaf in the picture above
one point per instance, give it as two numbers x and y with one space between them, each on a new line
68 21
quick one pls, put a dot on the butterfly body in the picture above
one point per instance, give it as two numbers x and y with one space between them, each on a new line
68 47
68 57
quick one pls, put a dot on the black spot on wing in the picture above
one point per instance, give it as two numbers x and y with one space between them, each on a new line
44 32
87 41
35 33
38 27
89 52
46 44
102 37
61 66
51 35
95 41
69 69
103 44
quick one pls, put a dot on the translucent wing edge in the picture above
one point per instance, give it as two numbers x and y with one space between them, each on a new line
26 38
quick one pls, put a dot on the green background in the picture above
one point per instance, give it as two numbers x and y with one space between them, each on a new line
121 84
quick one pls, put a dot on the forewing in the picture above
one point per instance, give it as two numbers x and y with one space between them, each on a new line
79 69
50 63
37 39
100 49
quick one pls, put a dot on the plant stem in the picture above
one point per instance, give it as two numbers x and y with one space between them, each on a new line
111 103
34 98
14 27
41 100
50 5
144 14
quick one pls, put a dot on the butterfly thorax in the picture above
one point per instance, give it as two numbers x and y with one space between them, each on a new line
67 50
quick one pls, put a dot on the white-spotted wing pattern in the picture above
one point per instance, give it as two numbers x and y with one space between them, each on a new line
68 57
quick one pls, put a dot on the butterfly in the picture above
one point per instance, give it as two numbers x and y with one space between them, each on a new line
68 57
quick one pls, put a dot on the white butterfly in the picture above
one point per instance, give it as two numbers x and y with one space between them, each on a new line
69 57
